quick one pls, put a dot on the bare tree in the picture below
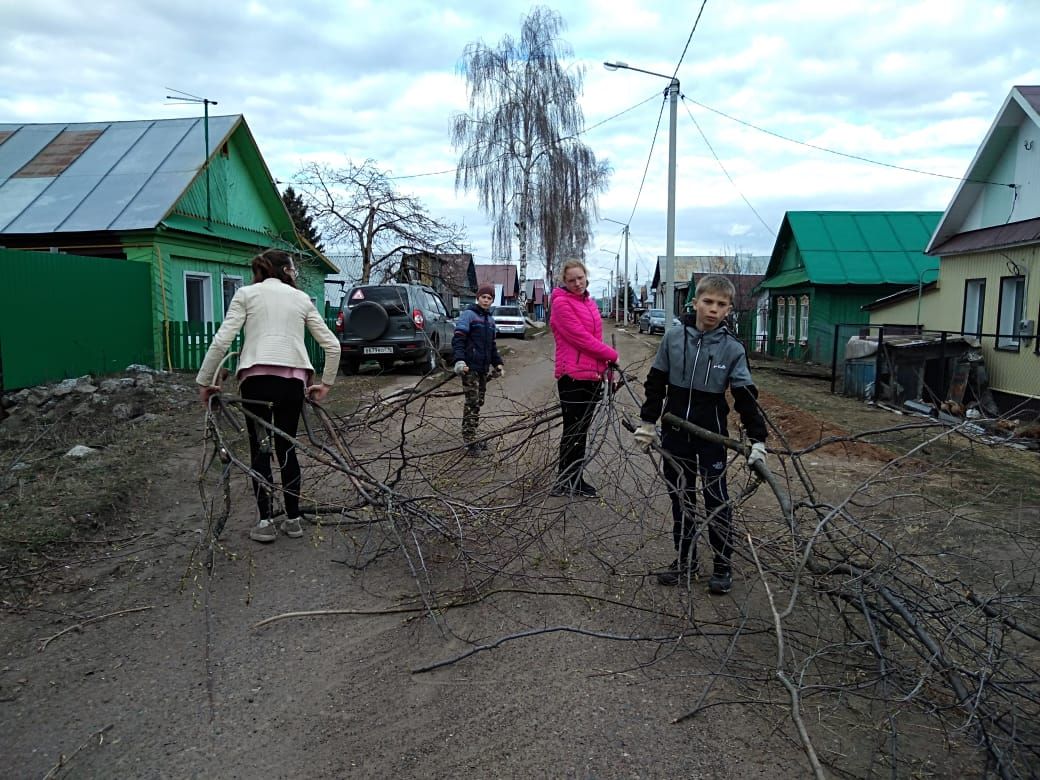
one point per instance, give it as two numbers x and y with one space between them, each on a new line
359 205
520 147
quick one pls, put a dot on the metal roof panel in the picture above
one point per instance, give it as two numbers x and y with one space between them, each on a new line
128 178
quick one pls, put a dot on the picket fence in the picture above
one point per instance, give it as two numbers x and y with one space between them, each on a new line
187 343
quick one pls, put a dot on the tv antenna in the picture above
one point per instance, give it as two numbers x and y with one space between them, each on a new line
186 98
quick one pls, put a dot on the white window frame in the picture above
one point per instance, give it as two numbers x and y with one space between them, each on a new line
224 279
974 307
781 317
792 318
1010 312
803 316
207 294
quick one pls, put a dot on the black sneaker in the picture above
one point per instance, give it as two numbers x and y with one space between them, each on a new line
675 574
473 450
721 582
585 490
561 489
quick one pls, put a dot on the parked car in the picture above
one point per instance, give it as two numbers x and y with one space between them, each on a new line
652 321
509 321
391 322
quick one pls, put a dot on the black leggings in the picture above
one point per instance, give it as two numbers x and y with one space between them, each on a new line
578 399
286 399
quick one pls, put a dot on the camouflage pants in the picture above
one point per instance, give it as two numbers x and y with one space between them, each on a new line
473 385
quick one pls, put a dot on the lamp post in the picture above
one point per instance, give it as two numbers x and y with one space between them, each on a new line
669 260
615 289
625 224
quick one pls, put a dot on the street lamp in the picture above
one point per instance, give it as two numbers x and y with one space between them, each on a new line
625 224
615 289
669 260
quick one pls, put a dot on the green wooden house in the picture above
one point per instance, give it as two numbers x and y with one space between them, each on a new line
190 198
826 265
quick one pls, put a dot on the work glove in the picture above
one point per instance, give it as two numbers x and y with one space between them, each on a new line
498 371
645 435
461 367
757 454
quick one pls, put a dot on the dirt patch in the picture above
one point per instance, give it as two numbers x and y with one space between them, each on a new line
563 657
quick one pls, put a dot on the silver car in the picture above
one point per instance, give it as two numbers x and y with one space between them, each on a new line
509 321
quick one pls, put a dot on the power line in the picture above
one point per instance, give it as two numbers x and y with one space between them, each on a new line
842 154
692 31
506 154
649 157
723 167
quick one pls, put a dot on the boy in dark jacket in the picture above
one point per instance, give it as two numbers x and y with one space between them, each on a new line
694 365
476 357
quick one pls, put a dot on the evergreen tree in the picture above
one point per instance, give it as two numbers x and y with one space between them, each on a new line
301 218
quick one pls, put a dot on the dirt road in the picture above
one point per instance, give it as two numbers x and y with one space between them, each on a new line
131 659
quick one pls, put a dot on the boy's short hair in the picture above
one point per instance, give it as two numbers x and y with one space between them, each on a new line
715 283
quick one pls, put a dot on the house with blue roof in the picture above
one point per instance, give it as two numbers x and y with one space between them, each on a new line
190 198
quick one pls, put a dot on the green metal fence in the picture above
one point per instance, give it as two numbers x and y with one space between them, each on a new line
188 342
67 315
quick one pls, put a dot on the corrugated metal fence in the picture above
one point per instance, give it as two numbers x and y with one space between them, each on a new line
67 315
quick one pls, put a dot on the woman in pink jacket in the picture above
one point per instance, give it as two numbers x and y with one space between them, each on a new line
581 361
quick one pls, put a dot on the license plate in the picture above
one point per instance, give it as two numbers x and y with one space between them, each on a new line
379 350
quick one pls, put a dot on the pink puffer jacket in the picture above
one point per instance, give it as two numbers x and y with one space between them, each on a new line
578 328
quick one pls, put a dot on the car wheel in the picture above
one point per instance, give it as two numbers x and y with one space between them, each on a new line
428 363
523 336
349 366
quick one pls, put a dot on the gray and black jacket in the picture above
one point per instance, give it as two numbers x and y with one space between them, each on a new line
690 375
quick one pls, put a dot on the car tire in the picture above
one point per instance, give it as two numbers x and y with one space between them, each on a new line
349 366
369 320
523 336
428 363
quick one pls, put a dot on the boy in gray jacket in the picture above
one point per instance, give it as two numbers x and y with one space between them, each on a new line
694 365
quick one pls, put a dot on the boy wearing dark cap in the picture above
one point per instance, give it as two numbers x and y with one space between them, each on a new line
476 357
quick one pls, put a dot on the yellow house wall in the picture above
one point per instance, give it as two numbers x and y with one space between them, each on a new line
943 309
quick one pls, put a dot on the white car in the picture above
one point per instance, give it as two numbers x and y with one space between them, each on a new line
509 321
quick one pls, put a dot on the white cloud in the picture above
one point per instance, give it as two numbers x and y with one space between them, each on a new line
912 84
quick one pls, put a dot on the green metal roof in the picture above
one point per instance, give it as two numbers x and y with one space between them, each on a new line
791 278
852 247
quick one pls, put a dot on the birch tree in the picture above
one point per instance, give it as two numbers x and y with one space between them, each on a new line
519 144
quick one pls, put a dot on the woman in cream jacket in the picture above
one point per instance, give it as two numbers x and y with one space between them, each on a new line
273 368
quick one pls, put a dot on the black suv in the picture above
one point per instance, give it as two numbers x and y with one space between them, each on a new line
389 322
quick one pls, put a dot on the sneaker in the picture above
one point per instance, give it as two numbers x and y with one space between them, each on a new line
473 450
675 574
585 490
264 531
291 527
560 489
721 582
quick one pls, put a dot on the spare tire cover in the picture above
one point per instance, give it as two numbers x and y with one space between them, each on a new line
369 320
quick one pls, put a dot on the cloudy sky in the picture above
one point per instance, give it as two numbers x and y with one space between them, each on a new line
911 83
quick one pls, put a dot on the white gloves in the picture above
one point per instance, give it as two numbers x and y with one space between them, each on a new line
757 454
461 367
499 371
645 435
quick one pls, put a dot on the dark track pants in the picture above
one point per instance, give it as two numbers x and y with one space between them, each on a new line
696 458
286 397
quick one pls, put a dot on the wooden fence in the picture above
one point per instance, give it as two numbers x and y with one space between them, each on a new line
188 342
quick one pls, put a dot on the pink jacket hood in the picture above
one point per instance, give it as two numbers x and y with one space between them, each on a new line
578 329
